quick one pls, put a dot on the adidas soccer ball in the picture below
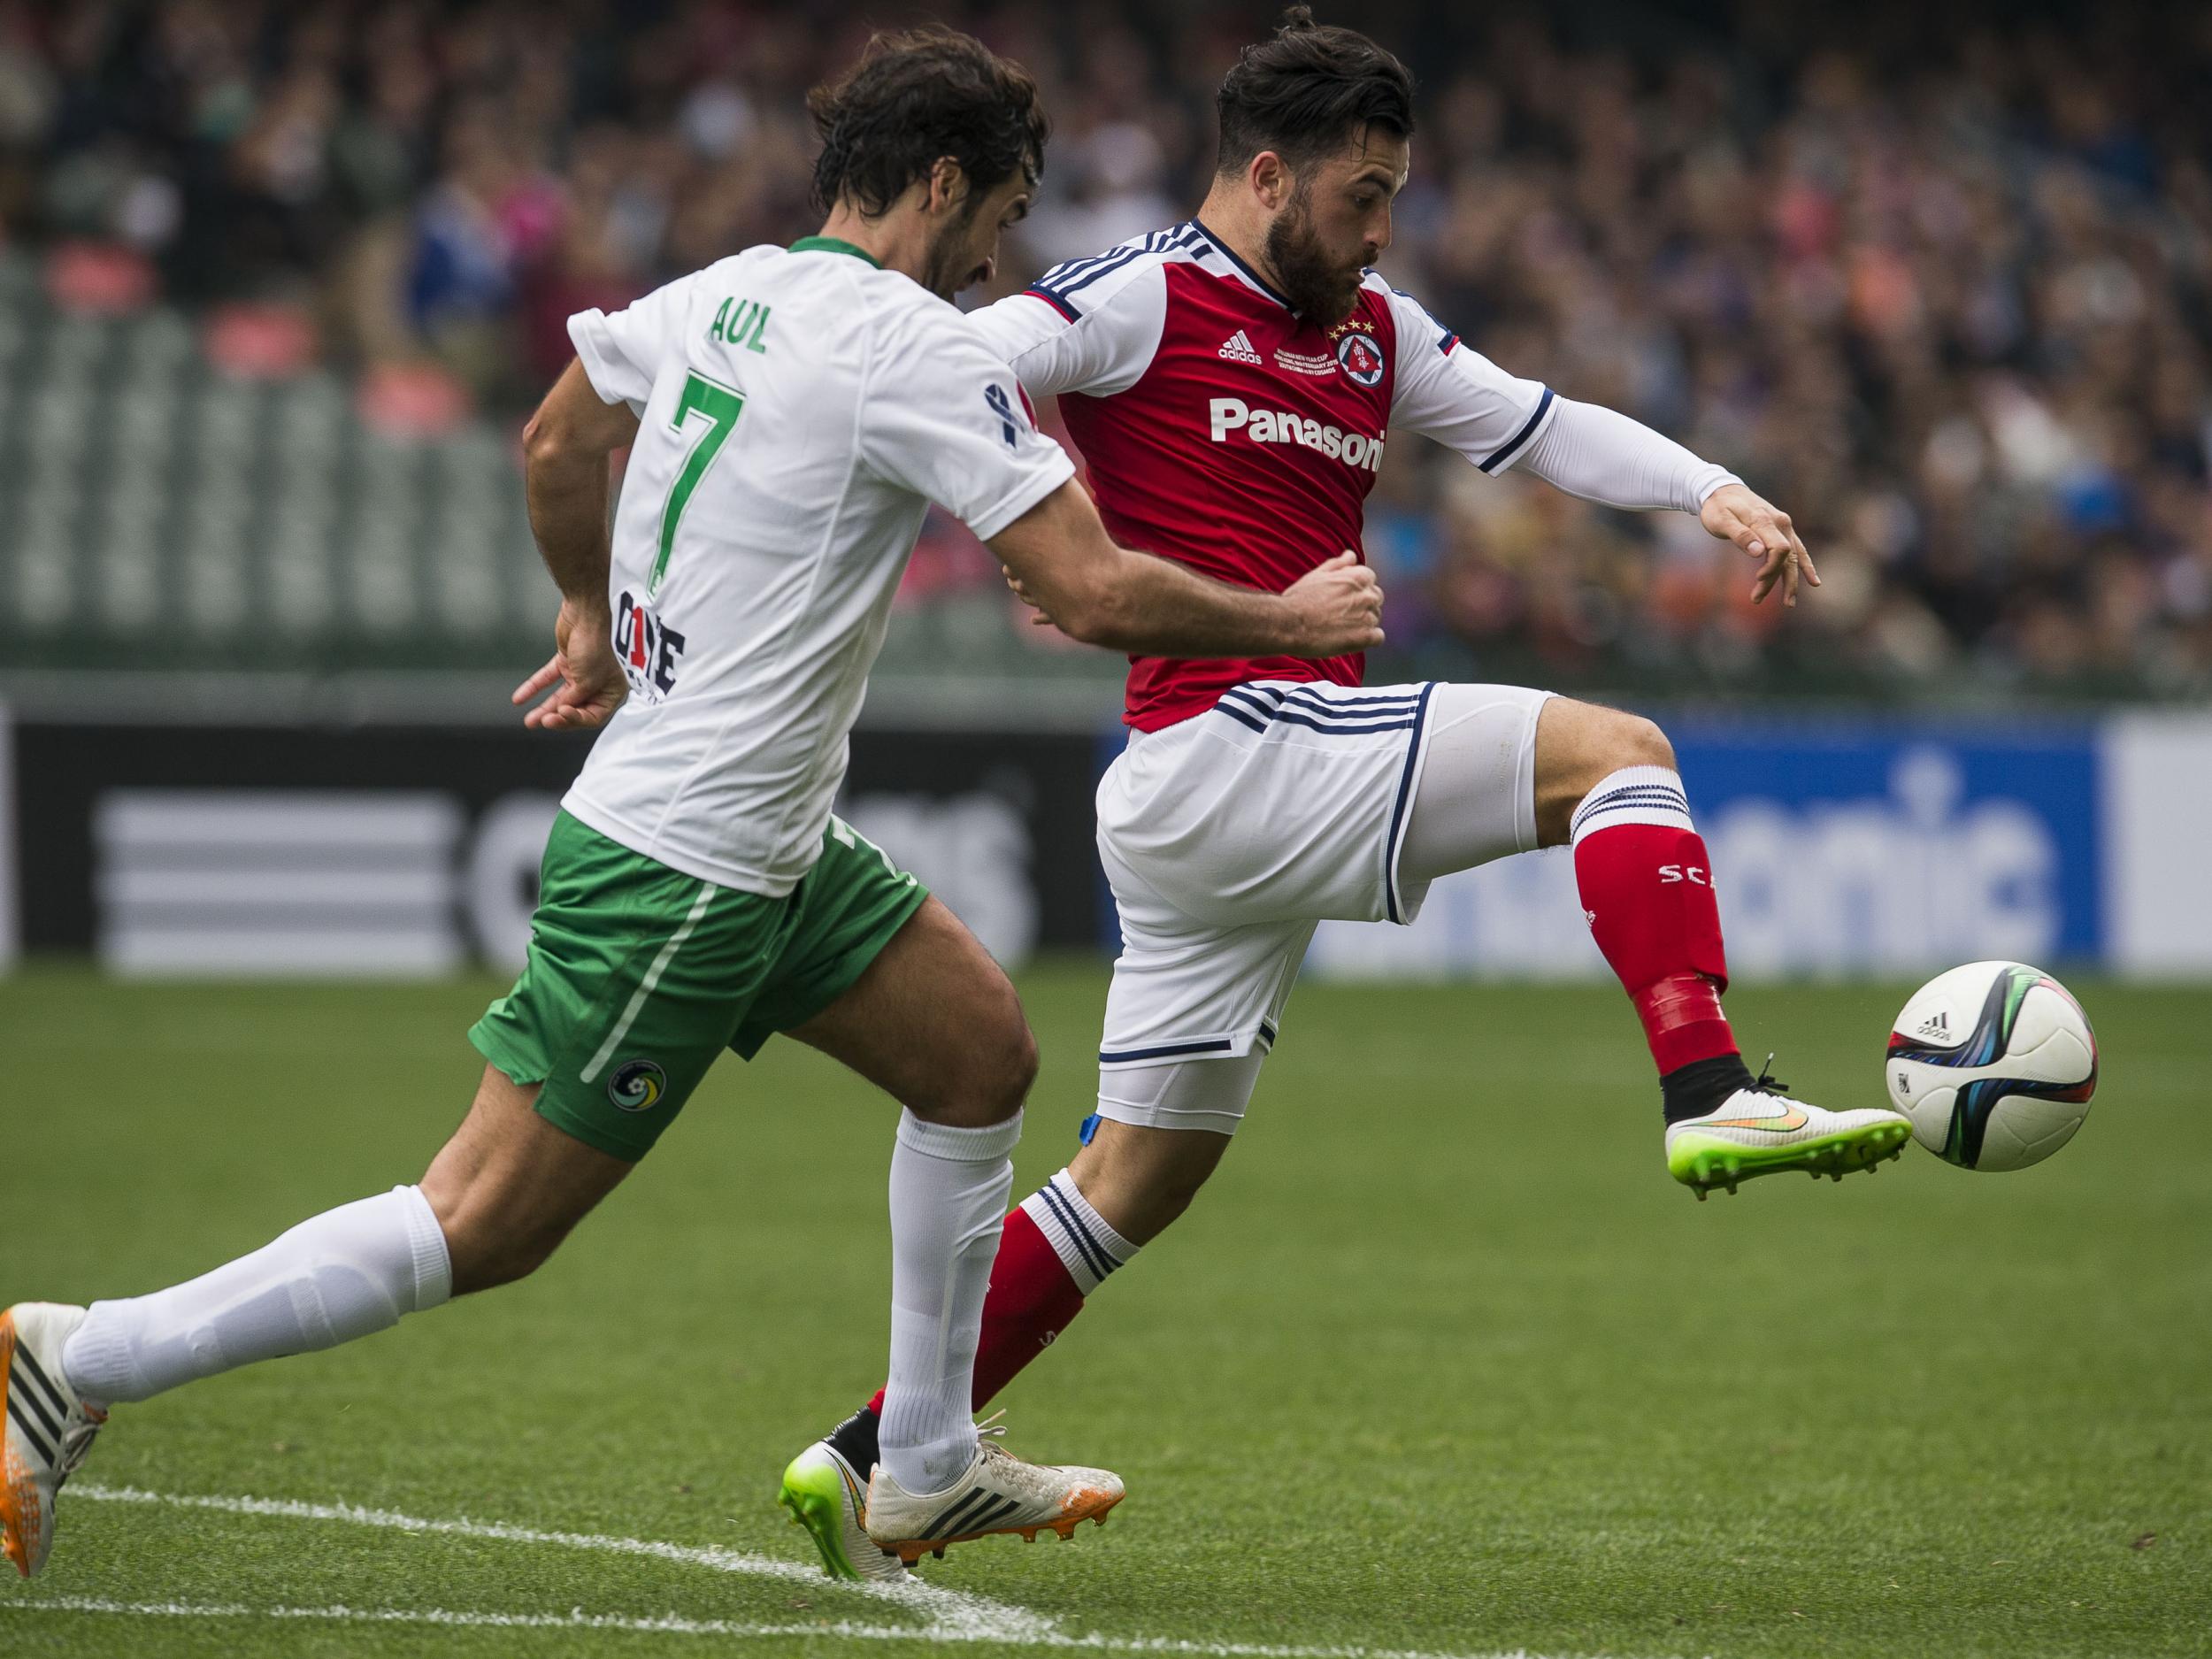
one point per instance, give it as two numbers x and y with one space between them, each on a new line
1994 1063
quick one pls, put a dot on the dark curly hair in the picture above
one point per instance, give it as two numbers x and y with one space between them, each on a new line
916 97
1307 91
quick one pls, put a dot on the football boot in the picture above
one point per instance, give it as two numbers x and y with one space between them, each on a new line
50 1429
996 1492
826 1489
1758 1130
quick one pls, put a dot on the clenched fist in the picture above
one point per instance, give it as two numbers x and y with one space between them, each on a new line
1340 605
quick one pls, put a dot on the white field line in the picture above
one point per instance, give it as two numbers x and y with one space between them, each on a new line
671 1624
949 1612
954 1616
668 1625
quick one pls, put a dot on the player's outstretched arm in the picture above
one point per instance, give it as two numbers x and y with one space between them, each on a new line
1459 398
1060 560
1604 455
565 450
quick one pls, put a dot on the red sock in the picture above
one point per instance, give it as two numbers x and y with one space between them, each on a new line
1030 1301
1648 890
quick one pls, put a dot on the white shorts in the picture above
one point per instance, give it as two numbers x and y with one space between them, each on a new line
1227 837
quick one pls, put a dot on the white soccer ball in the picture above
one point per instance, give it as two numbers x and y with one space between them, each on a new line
1994 1063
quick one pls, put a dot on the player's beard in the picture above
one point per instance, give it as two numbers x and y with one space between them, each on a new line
950 267
1319 288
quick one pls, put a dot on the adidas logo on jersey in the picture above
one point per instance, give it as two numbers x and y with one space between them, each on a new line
1238 348
1280 426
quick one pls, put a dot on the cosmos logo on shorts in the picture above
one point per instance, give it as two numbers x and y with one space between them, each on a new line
637 1085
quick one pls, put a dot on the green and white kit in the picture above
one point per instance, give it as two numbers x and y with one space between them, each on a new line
799 410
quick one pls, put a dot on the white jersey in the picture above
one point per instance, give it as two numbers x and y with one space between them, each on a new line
799 409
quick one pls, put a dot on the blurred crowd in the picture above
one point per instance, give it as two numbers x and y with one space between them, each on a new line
1942 290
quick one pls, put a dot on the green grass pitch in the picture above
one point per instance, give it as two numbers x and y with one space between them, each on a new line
1442 1363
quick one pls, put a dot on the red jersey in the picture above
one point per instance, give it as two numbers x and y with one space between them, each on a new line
1224 431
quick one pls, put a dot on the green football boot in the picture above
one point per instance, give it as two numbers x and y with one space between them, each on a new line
1758 1130
829 1497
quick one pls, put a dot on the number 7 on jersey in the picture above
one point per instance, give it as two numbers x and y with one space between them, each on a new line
721 405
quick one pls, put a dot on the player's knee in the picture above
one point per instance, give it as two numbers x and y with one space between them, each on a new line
1633 741
992 1078
1578 746
1006 1069
1020 1074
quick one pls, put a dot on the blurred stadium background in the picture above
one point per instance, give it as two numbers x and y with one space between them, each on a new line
279 282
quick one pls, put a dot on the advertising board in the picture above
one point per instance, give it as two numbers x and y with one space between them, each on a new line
1879 846
413 851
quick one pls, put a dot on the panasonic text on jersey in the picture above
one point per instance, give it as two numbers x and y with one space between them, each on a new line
1280 426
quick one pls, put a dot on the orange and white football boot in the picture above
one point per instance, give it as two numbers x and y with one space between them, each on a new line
50 1429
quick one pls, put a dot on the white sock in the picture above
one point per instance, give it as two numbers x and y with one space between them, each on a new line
1079 1235
348 1272
948 1192
1634 795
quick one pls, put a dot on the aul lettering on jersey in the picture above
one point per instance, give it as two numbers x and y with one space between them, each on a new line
740 323
1280 426
650 649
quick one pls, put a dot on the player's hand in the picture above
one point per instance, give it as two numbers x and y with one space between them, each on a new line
1041 619
582 674
1762 531
1339 602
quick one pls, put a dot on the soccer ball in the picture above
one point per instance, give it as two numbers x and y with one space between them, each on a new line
1994 1063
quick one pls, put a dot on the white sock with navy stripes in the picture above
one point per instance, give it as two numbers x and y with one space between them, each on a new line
346 1274
1634 795
1087 1246
948 1192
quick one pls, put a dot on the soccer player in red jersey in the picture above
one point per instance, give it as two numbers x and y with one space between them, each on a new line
1233 382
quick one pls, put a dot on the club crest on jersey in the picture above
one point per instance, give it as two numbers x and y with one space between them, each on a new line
1360 358
649 650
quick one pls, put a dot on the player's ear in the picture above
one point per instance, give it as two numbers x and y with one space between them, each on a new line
1270 179
948 184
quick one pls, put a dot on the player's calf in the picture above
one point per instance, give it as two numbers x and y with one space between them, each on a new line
509 1186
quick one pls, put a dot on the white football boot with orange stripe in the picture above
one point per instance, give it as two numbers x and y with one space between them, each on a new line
48 1428
997 1492
1760 1131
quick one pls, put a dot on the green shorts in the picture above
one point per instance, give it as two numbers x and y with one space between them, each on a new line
640 976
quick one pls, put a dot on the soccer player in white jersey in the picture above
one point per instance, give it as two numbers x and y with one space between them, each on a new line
1232 382
790 413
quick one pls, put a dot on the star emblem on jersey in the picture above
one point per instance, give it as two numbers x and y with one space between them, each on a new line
1238 348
